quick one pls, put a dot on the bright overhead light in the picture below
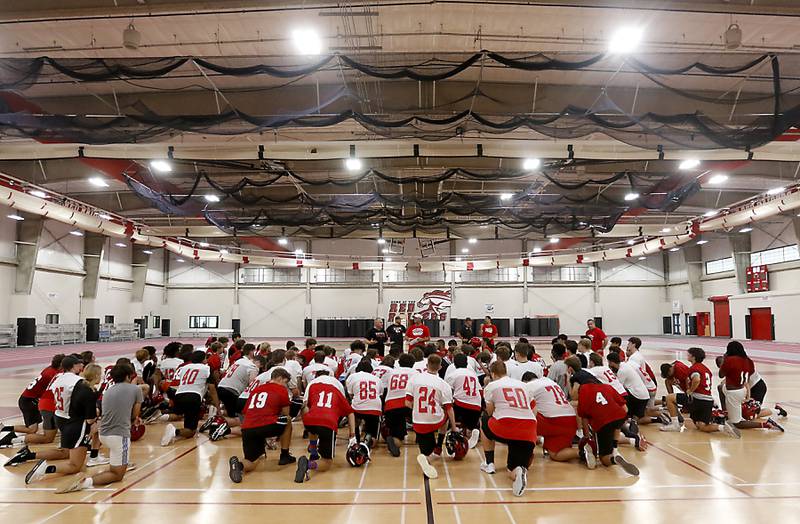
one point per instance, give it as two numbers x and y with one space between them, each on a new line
98 182
717 179
385 251
15 217
675 249
104 216
211 198
631 242
745 230
631 196
473 240
531 164
162 166
298 251
464 250
307 41
203 244
776 190
554 240
120 244
147 252
40 194
625 40
537 250
353 164
76 233
505 196
381 240
642 258
710 213
665 230
458 259
701 242
223 251
387 259
689 163
283 241
179 260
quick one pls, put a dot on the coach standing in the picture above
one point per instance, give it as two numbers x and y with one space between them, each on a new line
376 337
395 332
597 336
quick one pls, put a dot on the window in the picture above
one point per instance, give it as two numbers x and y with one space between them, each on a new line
264 275
51 318
412 275
563 274
775 255
720 265
156 322
109 319
329 276
510 274
200 322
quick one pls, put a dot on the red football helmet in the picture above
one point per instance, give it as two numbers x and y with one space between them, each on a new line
750 409
456 444
476 342
137 432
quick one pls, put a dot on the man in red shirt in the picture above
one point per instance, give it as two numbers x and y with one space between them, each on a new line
603 410
214 361
29 406
308 352
324 404
675 375
266 415
597 336
417 333
488 331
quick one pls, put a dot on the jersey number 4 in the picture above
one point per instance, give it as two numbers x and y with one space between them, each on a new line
600 399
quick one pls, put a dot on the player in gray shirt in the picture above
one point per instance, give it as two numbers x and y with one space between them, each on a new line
122 403
557 372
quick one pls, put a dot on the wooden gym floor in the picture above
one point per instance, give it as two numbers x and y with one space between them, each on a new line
683 476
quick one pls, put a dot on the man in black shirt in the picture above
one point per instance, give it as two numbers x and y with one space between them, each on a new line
395 333
376 337
467 331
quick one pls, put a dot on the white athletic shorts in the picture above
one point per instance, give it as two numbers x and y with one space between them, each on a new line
733 403
118 448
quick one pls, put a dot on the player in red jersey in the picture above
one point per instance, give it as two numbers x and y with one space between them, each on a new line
324 404
395 411
214 361
431 403
308 352
266 415
701 403
603 411
488 331
736 369
418 334
29 406
676 376
597 336
509 419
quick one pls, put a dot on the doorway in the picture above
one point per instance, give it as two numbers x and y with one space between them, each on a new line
761 323
703 324
722 316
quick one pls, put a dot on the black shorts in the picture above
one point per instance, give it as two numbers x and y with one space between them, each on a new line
230 399
759 391
468 418
189 405
605 437
395 420
240 404
48 420
700 410
681 399
371 424
427 442
74 434
325 440
254 440
30 410
520 452
636 407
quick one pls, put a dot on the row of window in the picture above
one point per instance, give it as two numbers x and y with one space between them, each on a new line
768 256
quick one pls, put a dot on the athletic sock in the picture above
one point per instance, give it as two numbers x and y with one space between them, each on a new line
489 457
50 469
93 453
284 452
18 440
312 464
87 483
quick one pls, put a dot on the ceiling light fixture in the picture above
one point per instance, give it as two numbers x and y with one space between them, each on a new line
625 41
147 252
710 213
211 198
223 251
665 230
98 182
554 240
642 258
16 217
381 240
203 244
745 230
631 196
387 259
298 251
675 249
385 251
631 242
505 196
307 41
718 179
531 164
162 166
701 242
104 216
464 250
473 240
458 259
37 193
776 190
537 250
283 241
353 164
76 233
120 244
689 163
179 260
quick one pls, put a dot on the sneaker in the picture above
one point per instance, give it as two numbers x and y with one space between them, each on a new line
219 432
488 468
664 418
428 470
473 438
206 425
99 460
131 466
272 444
23 455
152 416
74 484
680 418
730 430
633 426
629 468
588 452
520 481
37 472
169 435
286 459
640 442
7 439
394 449
302 470
675 426
771 424
236 470
781 412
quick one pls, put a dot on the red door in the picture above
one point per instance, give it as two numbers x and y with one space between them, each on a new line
722 315
761 323
703 324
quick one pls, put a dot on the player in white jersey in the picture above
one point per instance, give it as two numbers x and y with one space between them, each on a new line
357 349
310 371
383 370
395 411
556 421
636 358
193 385
510 419
294 367
430 400
523 365
604 374
167 366
467 397
636 399
364 390
331 360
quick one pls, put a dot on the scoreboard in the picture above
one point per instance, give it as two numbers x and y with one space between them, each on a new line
757 278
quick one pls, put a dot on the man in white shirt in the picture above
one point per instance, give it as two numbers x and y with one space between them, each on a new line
523 365
364 390
395 411
310 371
467 397
637 399
294 367
383 370
430 400
357 348
193 383
556 421
636 357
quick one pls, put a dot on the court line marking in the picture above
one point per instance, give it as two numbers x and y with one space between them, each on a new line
62 510
617 501
701 470
235 490
202 503
358 491
405 480
428 500
498 492
709 464
578 488
452 495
